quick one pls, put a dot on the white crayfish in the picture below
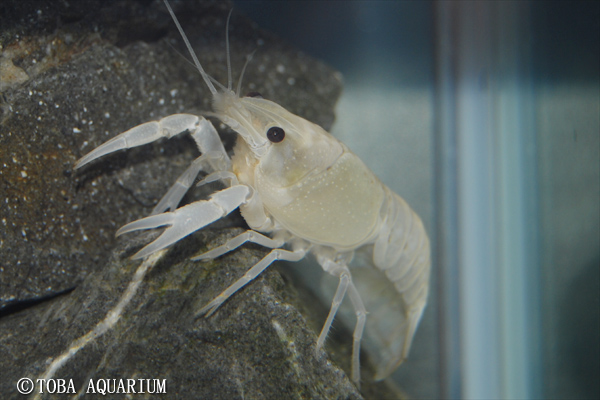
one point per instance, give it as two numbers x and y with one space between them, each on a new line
296 185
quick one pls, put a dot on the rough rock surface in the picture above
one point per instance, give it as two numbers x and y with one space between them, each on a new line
98 76
74 74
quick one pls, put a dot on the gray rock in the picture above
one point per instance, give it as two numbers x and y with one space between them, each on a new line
92 79
74 76
256 346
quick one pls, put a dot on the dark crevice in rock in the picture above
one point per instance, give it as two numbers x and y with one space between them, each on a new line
15 306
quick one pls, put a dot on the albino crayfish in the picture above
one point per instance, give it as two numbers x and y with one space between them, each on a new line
298 186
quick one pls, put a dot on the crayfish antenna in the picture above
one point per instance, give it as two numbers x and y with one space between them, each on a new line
205 76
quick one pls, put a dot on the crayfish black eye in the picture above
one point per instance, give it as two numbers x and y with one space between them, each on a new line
275 134
254 94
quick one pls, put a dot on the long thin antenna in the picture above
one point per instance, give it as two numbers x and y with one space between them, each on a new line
239 85
205 76
229 80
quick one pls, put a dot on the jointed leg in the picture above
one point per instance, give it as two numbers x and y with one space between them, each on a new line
252 273
202 131
188 219
234 243
335 305
171 199
361 319
219 176
345 285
